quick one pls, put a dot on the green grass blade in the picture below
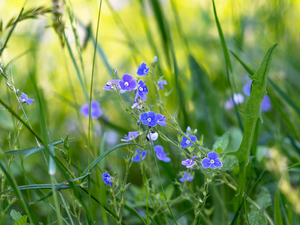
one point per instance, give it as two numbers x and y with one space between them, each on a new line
76 67
10 32
99 158
32 150
277 212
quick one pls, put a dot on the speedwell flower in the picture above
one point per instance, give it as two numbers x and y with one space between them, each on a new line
96 111
141 92
24 99
131 135
140 155
111 85
161 119
160 154
186 177
143 69
189 162
237 99
149 119
161 84
186 142
127 83
153 135
212 161
106 178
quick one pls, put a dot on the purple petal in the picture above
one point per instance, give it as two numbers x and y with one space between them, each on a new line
190 178
85 110
212 155
247 88
144 155
127 77
96 113
193 138
266 104
132 85
144 117
29 101
166 159
186 162
194 157
206 162
24 96
158 148
191 164
218 163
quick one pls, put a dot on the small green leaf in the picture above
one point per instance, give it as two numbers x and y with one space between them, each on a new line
221 143
15 215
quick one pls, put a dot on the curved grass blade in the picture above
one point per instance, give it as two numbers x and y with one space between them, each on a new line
228 63
33 150
10 32
98 159
277 212
26 206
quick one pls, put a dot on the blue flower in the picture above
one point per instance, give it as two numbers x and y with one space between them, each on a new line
112 85
106 178
161 84
153 135
131 135
160 153
141 92
237 99
139 156
155 59
127 83
212 161
266 104
161 119
247 88
142 70
24 99
186 142
189 162
149 119
186 177
96 111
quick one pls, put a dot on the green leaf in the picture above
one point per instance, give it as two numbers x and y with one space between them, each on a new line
22 221
257 217
221 142
15 215
250 115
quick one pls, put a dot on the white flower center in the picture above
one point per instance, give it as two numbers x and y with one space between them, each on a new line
141 89
145 70
126 83
108 83
212 161
187 142
149 119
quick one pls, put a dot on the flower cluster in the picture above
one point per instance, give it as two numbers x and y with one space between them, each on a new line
107 178
160 154
151 119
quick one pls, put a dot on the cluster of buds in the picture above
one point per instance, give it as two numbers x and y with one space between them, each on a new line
58 20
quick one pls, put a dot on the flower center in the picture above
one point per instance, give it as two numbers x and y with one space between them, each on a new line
145 70
212 161
187 142
141 89
149 119
126 83
108 83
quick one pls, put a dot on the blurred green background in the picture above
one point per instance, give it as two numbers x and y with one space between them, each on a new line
130 33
